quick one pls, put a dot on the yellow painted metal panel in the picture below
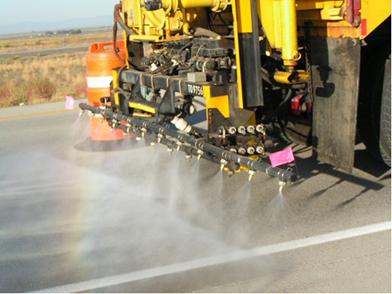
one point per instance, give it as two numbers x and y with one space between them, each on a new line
220 102
240 95
318 5
329 17
375 12
142 107
115 86
244 16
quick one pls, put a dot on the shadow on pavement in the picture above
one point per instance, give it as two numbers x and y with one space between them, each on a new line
364 162
310 167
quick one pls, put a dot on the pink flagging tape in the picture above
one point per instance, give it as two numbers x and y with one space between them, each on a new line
69 103
282 157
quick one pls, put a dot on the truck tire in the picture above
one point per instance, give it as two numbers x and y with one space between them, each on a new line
374 119
385 117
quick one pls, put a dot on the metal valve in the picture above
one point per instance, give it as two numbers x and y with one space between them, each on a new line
251 150
251 129
242 130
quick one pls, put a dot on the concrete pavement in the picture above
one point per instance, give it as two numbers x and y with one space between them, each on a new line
69 216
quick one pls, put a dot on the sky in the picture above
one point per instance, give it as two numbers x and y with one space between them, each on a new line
51 11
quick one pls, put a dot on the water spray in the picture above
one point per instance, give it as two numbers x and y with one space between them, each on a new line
199 147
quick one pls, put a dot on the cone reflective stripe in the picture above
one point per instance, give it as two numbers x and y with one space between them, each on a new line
99 82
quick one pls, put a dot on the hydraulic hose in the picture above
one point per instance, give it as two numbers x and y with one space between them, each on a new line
118 19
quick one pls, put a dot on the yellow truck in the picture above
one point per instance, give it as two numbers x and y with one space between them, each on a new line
261 72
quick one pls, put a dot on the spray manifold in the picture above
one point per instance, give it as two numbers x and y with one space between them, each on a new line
186 142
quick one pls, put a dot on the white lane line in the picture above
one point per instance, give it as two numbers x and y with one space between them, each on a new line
219 260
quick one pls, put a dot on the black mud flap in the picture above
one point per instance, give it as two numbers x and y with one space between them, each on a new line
336 72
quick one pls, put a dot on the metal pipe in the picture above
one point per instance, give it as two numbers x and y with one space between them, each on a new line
198 146
290 54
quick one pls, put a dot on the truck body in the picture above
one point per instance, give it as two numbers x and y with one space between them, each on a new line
264 71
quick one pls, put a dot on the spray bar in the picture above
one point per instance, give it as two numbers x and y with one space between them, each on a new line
194 146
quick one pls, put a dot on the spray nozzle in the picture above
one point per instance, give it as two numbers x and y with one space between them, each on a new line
223 163
138 135
199 154
252 173
128 128
179 144
188 152
144 131
159 138
101 118
115 124
281 186
233 167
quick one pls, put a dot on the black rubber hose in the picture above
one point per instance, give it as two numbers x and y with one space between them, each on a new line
202 32
118 18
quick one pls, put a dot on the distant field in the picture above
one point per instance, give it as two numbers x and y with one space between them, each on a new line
47 42
37 79
41 79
